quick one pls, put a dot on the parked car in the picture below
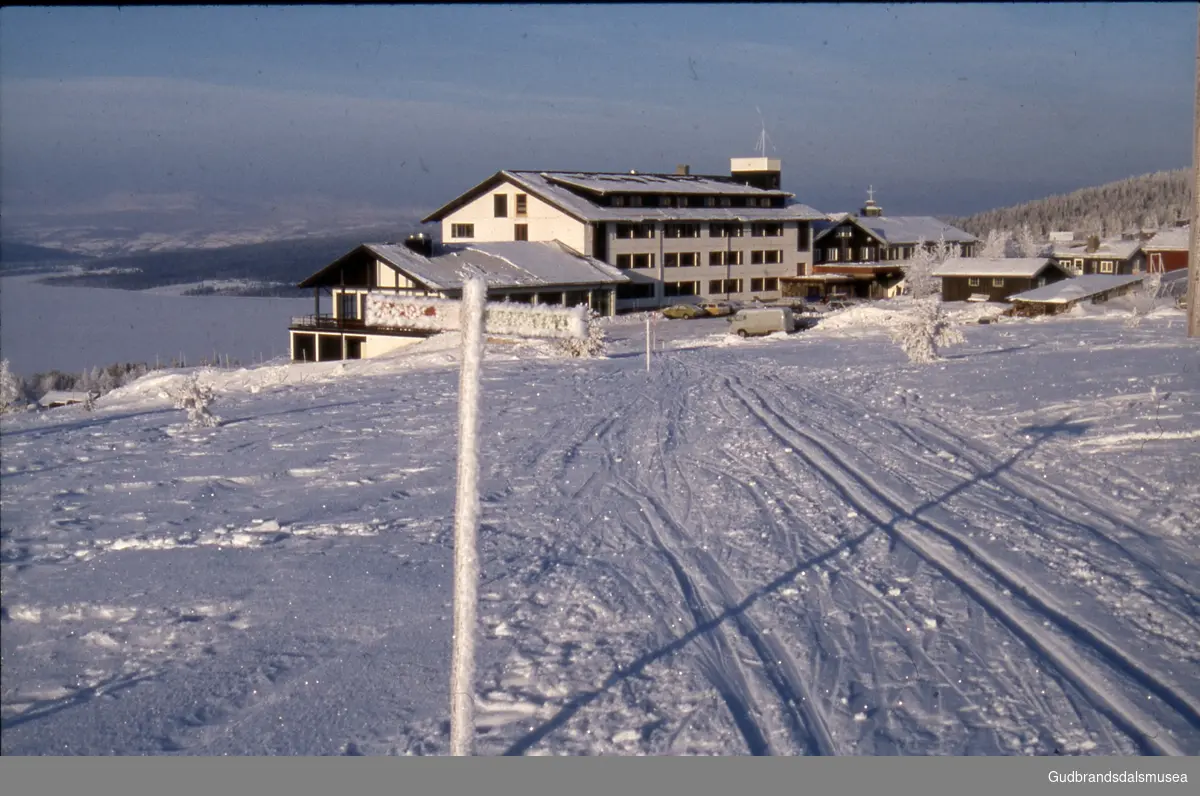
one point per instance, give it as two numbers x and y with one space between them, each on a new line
683 311
717 308
766 320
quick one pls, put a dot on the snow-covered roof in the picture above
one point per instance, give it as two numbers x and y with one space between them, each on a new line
503 264
656 183
826 278
1074 289
560 189
897 229
1173 239
62 397
994 266
1112 249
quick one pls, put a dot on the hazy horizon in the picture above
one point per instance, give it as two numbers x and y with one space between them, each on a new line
321 112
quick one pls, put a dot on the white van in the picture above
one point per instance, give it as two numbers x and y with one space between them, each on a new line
765 320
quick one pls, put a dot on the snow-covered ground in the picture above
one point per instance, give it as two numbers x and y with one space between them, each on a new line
791 545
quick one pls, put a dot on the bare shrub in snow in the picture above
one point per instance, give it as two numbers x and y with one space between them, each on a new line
924 330
12 389
195 398
594 344
1145 299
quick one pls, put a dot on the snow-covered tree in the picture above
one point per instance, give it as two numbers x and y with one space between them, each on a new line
924 330
12 389
195 398
996 245
1028 244
919 280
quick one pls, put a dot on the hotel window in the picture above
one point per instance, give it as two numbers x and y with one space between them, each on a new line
671 260
618 201
768 229
997 282
831 255
681 230
716 258
733 258
771 283
726 201
972 281
522 204
710 201
756 284
732 286
681 288
714 286
643 261
726 230
635 230
1106 266
520 232
462 230
624 261
666 201
802 237
635 201
500 204
689 259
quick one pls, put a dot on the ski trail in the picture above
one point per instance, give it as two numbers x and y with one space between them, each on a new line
885 508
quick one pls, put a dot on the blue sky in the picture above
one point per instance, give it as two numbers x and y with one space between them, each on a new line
944 108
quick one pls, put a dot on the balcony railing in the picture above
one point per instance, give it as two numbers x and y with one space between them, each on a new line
331 324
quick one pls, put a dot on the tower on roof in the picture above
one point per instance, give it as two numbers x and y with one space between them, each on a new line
870 209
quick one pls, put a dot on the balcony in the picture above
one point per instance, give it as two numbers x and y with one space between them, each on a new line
328 323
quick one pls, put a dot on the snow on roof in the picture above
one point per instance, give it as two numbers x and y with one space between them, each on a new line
552 187
1115 249
657 183
62 397
898 229
1173 239
504 264
993 266
1079 287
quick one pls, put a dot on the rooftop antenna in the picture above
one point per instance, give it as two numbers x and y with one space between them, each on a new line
763 138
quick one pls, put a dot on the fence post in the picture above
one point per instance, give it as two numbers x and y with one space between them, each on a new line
466 521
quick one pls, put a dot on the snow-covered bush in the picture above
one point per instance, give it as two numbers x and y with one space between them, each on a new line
195 398
924 330
594 344
12 389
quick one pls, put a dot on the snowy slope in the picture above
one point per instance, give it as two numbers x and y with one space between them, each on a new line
789 545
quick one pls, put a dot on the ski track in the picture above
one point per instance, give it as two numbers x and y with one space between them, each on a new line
868 494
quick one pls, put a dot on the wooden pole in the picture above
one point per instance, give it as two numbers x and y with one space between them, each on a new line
1193 292
466 524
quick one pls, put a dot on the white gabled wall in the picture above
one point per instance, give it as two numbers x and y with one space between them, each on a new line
545 221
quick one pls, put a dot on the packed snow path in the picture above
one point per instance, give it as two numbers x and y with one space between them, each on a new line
798 546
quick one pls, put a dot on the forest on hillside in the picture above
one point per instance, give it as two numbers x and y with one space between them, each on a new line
1148 201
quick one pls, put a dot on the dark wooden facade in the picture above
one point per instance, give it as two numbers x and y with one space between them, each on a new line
847 243
960 288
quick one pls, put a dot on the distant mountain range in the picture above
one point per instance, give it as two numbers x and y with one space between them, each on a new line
15 253
1149 201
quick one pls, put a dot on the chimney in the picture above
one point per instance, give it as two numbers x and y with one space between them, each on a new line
683 170
420 243
1093 243
761 173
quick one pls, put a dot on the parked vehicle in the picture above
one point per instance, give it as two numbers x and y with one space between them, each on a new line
766 320
683 311
717 308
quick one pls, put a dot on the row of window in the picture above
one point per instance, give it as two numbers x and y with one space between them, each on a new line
500 205
973 281
765 229
665 200
1106 266
693 259
520 231
866 254
759 284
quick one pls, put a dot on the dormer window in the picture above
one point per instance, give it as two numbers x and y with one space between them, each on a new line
844 232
